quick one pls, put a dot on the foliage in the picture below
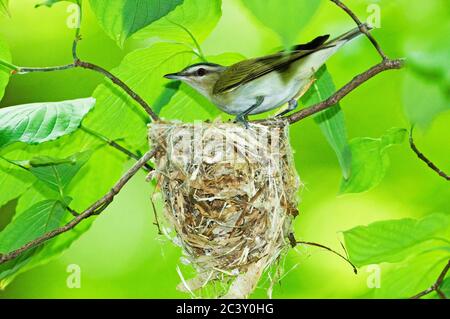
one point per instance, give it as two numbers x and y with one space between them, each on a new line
48 163
331 121
121 18
370 161
419 250
287 19
41 122
5 55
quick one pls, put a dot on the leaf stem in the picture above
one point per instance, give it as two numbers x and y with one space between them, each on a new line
9 66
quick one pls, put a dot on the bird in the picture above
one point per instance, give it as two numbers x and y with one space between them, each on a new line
262 84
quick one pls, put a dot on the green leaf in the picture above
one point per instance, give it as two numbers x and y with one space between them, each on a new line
392 240
286 18
415 274
41 122
32 223
143 71
5 72
370 161
330 121
424 99
56 173
199 17
121 18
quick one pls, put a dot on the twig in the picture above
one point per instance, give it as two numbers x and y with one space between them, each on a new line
147 167
436 285
295 242
94 209
424 158
346 89
362 27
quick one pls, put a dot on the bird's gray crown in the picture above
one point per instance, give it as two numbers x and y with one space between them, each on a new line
206 66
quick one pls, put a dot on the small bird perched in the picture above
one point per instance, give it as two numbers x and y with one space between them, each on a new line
262 84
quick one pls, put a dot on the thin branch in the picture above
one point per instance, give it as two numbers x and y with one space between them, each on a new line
94 209
361 27
147 167
120 83
424 158
346 89
436 285
296 242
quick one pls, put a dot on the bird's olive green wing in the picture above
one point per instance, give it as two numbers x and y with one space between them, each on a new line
248 70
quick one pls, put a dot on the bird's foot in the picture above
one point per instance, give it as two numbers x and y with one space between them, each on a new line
242 119
292 105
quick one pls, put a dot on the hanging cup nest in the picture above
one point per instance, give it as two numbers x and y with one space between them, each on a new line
230 194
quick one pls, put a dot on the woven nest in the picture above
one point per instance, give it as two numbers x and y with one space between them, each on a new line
230 194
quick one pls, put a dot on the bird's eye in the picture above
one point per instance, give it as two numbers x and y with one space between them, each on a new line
201 72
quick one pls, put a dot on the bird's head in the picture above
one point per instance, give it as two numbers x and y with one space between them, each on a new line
200 76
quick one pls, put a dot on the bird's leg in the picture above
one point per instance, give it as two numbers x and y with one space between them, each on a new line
243 117
292 104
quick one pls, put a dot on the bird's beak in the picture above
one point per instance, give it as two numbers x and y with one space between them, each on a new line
173 76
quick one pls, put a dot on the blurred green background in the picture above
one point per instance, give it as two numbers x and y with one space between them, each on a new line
122 256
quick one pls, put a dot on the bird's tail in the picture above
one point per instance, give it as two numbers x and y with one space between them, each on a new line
348 35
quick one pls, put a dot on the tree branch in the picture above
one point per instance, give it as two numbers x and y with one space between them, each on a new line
362 27
94 209
436 285
424 158
346 89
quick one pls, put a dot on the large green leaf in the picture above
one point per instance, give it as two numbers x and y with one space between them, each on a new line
415 274
330 121
369 160
116 115
55 173
286 18
392 240
121 18
199 17
41 122
32 223
4 72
